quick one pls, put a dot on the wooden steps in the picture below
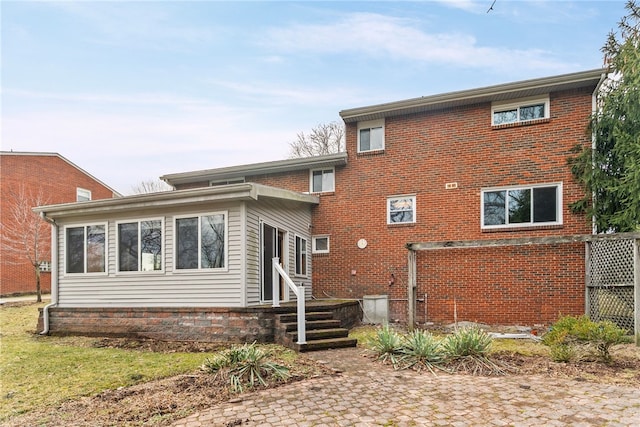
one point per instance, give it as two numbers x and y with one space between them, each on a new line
322 331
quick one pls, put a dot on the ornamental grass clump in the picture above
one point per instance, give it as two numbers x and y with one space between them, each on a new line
578 338
245 366
421 350
467 350
387 345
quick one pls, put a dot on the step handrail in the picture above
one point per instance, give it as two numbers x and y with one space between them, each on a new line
278 272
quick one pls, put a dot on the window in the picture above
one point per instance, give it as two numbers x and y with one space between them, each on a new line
201 241
227 182
320 244
140 246
522 206
525 110
401 209
370 136
301 256
83 195
322 181
86 249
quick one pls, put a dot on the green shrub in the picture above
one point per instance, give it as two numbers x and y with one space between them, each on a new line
420 349
464 342
580 338
387 345
245 366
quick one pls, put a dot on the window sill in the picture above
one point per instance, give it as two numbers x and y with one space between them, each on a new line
523 228
402 224
520 124
370 153
323 193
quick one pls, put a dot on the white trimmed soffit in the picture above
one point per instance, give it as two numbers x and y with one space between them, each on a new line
166 199
503 92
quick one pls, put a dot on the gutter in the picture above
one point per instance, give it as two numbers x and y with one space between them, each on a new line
54 273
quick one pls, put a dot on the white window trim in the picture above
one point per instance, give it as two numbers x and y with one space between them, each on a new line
522 102
315 250
226 244
117 251
368 125
106 249
401 196
295 255
559 202
333 172
84 192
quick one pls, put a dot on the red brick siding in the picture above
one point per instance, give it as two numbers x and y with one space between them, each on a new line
422 153
59 181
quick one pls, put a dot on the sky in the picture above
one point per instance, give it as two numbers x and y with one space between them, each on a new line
130 91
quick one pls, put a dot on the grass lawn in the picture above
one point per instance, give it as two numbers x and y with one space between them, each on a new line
38 371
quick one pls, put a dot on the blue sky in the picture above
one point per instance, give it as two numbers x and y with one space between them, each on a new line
130 91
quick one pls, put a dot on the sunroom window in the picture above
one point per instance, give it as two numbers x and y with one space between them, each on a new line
523 206
140 245
201 241
86 247
301 256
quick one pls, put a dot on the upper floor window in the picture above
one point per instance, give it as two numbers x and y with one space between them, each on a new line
301 256
86 247
322 180
520 111
83 195
320 244
401 209
201 241
370 135
522 206
227 182
140 245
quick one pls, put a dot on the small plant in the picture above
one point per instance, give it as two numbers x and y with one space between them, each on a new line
580 338
386 344
467 350
245 365
420 349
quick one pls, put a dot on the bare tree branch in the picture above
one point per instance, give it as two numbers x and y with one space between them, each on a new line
326 138
151 186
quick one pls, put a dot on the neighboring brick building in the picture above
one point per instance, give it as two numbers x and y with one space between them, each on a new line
60 181
454 173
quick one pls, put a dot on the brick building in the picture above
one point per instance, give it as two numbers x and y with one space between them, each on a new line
59 181
458 170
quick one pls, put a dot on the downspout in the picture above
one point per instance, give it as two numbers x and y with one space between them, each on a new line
54 273
594 111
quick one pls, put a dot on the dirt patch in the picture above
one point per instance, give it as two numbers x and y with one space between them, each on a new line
159 403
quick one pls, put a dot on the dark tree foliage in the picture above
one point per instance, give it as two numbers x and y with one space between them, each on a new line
610 172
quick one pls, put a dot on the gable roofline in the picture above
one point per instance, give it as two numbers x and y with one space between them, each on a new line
64 159
520 89
278 166
175 198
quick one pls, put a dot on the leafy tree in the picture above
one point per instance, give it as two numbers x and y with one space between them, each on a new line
25 236
326 138
610 171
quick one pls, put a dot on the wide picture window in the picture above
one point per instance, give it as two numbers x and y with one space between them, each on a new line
201 242
140 246
521 206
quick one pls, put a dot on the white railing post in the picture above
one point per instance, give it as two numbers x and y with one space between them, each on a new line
302 334
298 290
275 282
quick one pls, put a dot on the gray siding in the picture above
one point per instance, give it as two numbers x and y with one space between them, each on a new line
292 218
168 288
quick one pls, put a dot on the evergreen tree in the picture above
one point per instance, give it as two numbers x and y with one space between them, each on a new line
610 171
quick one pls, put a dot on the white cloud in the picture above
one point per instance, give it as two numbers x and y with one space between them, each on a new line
400 39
